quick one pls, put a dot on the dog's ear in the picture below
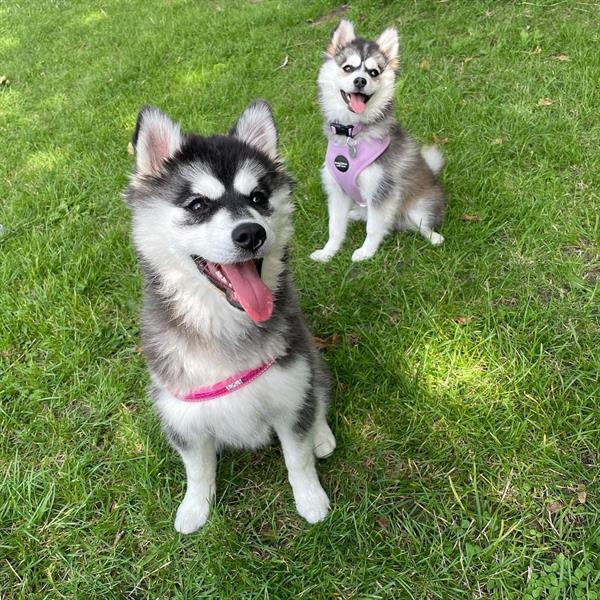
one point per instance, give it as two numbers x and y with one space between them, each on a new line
256 127
389 45
343 34
155 139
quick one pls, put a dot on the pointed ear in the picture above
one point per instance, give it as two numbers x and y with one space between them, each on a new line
155 139
389 45
256 127
342 35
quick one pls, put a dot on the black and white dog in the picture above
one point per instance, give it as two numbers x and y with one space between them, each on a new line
230 357
374 170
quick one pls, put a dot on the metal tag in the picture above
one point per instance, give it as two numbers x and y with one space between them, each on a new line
352 150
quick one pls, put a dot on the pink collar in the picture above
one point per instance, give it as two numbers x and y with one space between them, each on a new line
225 386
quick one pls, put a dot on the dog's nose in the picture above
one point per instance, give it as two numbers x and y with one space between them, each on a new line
359 83
249 236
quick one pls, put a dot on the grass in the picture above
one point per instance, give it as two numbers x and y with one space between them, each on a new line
466 377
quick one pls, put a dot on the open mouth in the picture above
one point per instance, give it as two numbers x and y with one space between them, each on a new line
356 101
242 285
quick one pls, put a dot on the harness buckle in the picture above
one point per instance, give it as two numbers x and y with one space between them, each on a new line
340 129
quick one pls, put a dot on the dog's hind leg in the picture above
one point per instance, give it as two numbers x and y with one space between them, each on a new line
200 461
419 217
323 438
312 502
358 213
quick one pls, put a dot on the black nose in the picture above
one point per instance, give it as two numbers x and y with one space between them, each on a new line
249 236
359 83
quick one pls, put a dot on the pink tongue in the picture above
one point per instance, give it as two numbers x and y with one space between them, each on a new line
250 291
357 104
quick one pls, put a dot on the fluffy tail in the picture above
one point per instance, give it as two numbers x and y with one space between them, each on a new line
433 157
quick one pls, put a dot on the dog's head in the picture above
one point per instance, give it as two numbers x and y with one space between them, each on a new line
212 215
356 81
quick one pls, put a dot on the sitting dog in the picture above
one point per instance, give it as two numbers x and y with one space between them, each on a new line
230 356
373 170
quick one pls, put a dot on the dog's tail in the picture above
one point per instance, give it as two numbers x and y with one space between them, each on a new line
433 157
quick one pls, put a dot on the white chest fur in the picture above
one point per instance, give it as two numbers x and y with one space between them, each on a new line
244 417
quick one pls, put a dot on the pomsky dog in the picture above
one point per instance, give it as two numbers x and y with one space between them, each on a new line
374 171
230 356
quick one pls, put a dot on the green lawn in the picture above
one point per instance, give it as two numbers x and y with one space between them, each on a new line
466 377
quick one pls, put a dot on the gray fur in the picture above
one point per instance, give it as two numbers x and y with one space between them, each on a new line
408 177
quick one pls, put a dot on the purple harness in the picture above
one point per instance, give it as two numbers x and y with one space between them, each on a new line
346 162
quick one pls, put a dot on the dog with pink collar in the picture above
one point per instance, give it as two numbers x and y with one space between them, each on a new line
231 359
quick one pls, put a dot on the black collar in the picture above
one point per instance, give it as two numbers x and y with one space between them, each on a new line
347 130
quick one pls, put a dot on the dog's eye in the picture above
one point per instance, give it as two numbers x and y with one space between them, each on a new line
373 72
259 198
197 203
348 68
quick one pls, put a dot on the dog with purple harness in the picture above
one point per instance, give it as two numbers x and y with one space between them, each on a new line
374 171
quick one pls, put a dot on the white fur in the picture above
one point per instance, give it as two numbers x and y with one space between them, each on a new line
353 60
257 128
245 419
324 441
332 79
380 219
200 462
368 181
207 185
158 139
343 34
417 219
246 179
371 63
168 247
433 157
388 42
339 205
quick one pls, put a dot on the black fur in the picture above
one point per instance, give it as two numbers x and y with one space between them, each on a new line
306 415
138 124
223 156
364 49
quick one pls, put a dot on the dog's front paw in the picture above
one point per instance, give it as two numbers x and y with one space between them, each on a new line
312 504
361 254
322 255
191 515
436 239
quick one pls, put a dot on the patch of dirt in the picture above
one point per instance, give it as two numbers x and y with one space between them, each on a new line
333 15
587 251
507 301
588 459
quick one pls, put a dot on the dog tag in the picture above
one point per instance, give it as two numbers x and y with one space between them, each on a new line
352 150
